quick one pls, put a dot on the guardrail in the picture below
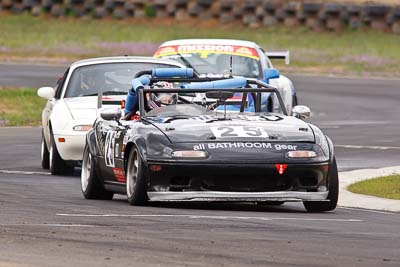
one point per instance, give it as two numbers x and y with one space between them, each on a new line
314 14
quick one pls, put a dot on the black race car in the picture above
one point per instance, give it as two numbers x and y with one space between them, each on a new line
197 148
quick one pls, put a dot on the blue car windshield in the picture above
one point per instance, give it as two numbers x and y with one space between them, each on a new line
218 64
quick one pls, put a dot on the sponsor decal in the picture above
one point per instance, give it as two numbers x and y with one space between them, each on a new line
119 175
165 50
242 117
281 168
239 131
205 49
125 140
116 150
109 149
244 51
241 145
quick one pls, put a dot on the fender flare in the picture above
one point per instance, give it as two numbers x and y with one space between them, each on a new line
331 149
140 144
91 142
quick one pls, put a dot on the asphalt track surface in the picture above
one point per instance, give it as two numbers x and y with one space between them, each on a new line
46 222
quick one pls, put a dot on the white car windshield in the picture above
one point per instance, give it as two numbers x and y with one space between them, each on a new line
116 77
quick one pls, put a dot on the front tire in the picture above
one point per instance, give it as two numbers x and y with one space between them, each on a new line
57 165
91 186
44 154
333 195
135 179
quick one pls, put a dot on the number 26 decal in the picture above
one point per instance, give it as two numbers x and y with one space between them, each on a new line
109 149
238 131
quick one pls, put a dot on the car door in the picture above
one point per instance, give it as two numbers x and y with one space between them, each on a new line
113 161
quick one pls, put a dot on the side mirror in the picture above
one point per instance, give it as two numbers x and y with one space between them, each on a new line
46 92
271 74
111 114
301 112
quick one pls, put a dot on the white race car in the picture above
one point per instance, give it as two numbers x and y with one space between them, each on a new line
71 108
215 57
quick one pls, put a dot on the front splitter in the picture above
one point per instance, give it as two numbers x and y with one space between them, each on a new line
287 196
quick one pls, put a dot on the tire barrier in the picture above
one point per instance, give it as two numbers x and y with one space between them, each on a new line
317 15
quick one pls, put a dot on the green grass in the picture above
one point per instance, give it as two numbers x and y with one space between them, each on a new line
20 106
349 52
386 187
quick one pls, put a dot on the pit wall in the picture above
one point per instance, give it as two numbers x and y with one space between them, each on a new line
317 15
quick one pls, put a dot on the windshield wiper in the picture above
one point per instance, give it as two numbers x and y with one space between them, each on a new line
219 119
94 94
114 93
175 117
188 64
107 93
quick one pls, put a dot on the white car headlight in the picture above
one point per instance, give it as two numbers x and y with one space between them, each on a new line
82 128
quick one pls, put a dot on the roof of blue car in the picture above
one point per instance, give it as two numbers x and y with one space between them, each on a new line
211 41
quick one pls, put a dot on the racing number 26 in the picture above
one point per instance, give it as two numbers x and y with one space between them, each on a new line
238 131
109 149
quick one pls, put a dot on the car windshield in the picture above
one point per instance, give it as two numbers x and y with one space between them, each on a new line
116 77
183 105
210 60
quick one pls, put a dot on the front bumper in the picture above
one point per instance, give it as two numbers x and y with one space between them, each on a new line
72 148
287 196
237 182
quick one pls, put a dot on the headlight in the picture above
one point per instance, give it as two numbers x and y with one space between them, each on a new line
189 154
82 128
301 154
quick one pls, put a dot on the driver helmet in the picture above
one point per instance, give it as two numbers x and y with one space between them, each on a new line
243 66
222 62
92 79
157 100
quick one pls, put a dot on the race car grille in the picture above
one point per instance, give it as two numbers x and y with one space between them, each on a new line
230 184
240 180
248 184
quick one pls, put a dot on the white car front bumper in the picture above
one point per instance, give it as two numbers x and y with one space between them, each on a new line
72 147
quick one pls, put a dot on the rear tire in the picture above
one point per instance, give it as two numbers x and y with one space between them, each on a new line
57 165
135 179
333 195
44 154
91 185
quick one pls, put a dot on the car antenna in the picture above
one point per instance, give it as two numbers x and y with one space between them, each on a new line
231 68
225 108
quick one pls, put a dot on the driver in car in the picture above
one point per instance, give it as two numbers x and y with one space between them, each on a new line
92 81
155 100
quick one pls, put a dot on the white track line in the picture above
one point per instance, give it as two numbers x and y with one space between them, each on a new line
374 211
189 216
23 172
368 147
50 224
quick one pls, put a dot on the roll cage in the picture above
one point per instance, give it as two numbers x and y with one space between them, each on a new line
256 91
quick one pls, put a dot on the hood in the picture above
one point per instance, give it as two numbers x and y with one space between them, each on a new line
82 107
258 128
